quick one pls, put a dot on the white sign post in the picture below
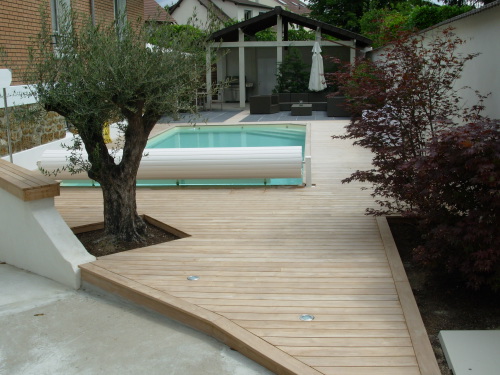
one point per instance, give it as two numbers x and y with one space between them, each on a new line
5 81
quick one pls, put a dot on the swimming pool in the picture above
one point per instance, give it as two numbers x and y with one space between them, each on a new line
206 136
230 136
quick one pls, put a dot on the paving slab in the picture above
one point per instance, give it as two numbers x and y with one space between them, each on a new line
472 352
287 116
49 329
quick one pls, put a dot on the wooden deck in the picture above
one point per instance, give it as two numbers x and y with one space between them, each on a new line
267 255
26 185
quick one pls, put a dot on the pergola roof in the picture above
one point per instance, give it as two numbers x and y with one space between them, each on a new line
269 19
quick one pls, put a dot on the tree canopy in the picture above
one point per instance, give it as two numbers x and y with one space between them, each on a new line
378 20
382 25
346 13
97 73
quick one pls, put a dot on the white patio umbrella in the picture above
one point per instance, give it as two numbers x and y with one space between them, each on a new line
317 78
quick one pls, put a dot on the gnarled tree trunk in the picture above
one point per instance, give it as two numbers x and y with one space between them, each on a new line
121 219
118 182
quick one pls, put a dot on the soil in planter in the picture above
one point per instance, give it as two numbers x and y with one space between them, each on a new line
443 300
99 245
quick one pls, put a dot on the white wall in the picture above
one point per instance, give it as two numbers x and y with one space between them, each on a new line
35 238
230 8
267 69
187 8
184 13
481 32
28 158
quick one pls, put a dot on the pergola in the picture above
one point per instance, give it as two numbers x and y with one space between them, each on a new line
234 37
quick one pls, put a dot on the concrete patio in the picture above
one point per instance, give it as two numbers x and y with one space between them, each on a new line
51 329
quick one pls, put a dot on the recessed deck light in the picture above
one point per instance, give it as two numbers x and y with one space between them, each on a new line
193 278
306 317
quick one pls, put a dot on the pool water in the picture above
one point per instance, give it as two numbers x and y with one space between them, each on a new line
230 136
203 136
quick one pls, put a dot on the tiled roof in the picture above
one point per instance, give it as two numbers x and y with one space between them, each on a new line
153 11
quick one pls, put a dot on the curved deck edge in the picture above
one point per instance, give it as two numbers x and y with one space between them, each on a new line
197 318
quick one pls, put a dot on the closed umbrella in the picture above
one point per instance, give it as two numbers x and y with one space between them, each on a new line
317 78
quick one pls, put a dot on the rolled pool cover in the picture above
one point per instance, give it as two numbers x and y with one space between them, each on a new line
198 163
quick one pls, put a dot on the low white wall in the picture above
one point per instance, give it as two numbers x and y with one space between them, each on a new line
36 238
28 158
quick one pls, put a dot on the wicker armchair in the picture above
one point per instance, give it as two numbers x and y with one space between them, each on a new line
263 104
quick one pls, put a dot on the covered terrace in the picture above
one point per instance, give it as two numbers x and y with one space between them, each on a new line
254 63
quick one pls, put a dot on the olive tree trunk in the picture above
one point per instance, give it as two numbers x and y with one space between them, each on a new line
118 182
121 219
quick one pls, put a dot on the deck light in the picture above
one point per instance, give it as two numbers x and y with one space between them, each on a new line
193 278
306 317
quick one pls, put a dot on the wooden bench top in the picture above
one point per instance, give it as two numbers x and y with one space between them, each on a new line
26 185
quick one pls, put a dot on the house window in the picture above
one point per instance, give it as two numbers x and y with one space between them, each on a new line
120 7
61 21
60 10
247 14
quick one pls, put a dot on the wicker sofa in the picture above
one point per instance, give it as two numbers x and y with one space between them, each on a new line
335 107
264 104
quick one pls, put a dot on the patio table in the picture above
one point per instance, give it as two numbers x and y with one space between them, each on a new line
301 109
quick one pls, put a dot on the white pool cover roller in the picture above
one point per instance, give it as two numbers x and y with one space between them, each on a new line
199 163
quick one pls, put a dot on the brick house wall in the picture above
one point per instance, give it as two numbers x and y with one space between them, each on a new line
19 22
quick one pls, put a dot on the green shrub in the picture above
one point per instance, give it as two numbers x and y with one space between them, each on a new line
293 73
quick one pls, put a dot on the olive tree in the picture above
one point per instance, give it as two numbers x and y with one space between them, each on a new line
93 73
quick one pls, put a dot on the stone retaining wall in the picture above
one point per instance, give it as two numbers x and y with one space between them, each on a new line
28 130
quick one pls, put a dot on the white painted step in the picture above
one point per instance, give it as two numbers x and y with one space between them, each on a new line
472 352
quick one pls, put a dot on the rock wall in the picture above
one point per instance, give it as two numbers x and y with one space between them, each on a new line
30 128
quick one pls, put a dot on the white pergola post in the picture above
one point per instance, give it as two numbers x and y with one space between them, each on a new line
279 39
318 34
241 60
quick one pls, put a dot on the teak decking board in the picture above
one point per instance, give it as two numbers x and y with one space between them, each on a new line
267 255
26 185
